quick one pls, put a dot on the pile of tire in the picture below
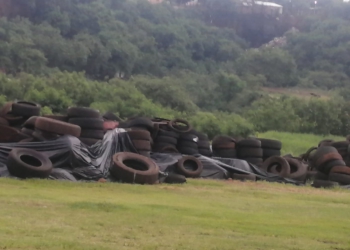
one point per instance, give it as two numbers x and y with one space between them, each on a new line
165 141
50 129
287 167
17 113
203 144
90 122
133 168
342 148
270 148
187 143
250 150
224 146
141 139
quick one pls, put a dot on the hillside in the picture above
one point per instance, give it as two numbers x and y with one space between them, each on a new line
137 58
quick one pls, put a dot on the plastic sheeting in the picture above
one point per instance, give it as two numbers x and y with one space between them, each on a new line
73 160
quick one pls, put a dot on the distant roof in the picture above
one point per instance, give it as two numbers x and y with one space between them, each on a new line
268 4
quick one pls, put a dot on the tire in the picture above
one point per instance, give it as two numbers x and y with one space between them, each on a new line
142 145
340 144
326 142
308 156
201 136
254 160
187 144
30 123
109 116
277 160
14 120
319 163
222 139
189 166
174 125
4 122
167 149
205 152
271 152
173 178
270 144
89 141
27 163
324 184
139 135
203 144
143 123
162 132
229 145
340 170
27 131
249 143
62 118
343 179
26 109
244 177
298 170
94 134
83 112
158 146
322 151
57 127
134 168
87 123
6 109
8 134
326 168
166 139
44 136
145 153
188 151
250 152
188 137
225 153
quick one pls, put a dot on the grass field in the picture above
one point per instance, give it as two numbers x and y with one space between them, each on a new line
42 214
295 143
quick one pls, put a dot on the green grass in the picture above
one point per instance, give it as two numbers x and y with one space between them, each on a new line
295 143
42 214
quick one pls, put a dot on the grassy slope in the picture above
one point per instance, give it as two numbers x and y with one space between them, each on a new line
198 215
295 143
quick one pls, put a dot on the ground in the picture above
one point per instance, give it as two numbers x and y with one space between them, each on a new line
202 214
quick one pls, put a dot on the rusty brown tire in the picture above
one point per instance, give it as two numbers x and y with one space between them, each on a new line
298 170
189 166
28 163
224 140
142 145
175 126
340 170
134 168
319 162
57 127
62 118
277 160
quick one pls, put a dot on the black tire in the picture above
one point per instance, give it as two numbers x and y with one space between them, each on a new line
222 139
134 168
277 160
87 123
270 144
165 140
173 178
254 160
189 166
94 134
343 179
326 142
174 125
83 112
322 151
271 152
27 131
27 163
141 123
57 127
250 152
204 144
324 184
201 136
62 118
250 143
326 168
162 132
188 137
298 170
324 159
187 144
205 152
109 116
340 170
167 149
225 153
26 109
244 177
89 141
230 145
340 144
188 151
4 122
142 145
139 135
158 146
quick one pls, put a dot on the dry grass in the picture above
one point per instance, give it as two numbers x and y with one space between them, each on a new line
40 214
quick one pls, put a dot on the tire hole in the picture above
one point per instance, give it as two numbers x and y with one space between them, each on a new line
30 160
190 165
134 164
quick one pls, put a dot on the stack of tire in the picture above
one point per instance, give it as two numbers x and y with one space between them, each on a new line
165 141
187 143
90 122
270 148
224 147
342 148
250 150
203 144
17 113
330 166
141 139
